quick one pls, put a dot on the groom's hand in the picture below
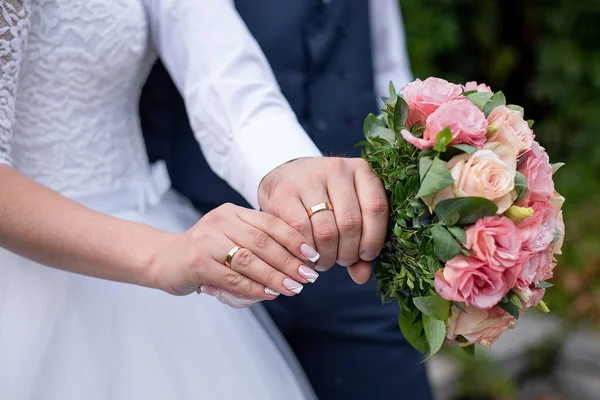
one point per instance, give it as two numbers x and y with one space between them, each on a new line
354 232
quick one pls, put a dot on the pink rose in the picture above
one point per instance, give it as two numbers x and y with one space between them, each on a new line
478 326
424 97
535 267
469 86
471 281
466 122
496 241
539 230
510 128
538 171
488 173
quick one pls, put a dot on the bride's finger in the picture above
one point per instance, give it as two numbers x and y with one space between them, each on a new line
247 264
278 244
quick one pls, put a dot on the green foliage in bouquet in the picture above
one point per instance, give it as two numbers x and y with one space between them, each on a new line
419 241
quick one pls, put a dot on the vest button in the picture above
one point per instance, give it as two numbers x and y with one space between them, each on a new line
320 124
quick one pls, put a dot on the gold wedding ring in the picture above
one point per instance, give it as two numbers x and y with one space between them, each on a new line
231 254
319 207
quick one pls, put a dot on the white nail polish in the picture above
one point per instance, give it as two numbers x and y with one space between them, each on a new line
307 273
341 263
292 285
310 253
271 292
320 269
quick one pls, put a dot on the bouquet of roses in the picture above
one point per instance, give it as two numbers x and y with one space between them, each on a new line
475 221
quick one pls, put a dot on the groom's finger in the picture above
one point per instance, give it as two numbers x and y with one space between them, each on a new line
374 209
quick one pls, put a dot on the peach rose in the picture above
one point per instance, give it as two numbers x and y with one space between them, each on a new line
538 171
509 127
488 173
478 326
466 122
471 281
496 241
469 86
539 230
424 97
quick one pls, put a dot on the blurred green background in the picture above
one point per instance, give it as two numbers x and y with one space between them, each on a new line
545 56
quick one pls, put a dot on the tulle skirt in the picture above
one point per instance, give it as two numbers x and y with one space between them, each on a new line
65 336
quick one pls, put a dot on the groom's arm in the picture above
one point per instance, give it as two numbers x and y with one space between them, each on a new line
238 114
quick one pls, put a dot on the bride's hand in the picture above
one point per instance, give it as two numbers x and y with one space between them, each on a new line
273 258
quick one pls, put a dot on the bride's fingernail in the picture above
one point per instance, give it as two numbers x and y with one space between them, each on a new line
271 292
292 285
367 256
321 269
308 273
310 253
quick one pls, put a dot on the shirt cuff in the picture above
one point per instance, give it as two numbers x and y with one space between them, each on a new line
265 143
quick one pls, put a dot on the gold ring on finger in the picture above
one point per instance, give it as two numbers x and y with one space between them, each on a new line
319 207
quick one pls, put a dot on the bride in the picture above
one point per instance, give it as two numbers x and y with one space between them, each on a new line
77 194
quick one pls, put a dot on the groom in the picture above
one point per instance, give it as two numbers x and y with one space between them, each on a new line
330 61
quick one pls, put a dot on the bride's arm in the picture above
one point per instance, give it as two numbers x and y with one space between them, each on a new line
46 227
238 114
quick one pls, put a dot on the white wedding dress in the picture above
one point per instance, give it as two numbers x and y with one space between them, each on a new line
70 121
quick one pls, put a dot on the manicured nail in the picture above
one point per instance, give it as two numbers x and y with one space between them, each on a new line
271 292
310 253
342 263
321 269
308 273
292 285
367 256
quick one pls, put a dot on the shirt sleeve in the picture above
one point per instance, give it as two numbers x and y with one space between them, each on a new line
240 118
390 56
14 28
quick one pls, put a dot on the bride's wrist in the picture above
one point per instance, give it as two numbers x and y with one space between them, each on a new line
151 260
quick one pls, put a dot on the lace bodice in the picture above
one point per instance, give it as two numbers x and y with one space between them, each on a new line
70 80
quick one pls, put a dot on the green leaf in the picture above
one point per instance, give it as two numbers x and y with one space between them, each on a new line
442 139
470 350
480 98
392 89
470 209
412 329
375 128
437 178
458 233
434 306
400 114
557 166
530 122
424 166
520 185
543 285
469 92
516 108
510 308
465 148
496 100
445 246
451 218
435 332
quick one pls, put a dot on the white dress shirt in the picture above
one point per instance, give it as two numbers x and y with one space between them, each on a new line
240 118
